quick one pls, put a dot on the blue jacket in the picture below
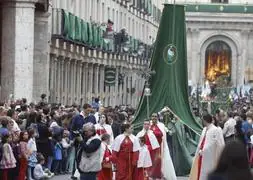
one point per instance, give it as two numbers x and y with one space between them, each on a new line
58 152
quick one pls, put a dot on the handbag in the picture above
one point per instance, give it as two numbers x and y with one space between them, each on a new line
107 165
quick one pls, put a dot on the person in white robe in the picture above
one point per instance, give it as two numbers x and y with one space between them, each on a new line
103 128
150 139
167 167
144 161
210 146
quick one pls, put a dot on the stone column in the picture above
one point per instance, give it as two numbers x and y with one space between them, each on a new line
62 79
133 95
125 89
41 55
17 52
79 92
242 65
90 82
116 89
69 82
54 76
107 95
129 86
86 82
74 84
102 84
66 78
58 79
96 81
196 65
120 88
51 78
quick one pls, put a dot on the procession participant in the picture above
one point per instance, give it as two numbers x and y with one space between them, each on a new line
144 161
150 141
103 128
126 149
209 149
107 159
162 162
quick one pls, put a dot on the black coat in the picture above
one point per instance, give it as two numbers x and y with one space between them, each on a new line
43 142
116 129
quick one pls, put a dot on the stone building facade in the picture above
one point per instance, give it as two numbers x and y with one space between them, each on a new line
45 49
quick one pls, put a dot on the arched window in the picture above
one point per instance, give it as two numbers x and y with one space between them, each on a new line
217 60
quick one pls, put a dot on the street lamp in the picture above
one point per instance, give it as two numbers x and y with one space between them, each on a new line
146 74
147 93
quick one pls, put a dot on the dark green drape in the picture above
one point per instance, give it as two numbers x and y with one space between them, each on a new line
169 86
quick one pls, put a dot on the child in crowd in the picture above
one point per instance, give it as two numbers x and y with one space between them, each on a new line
32 159
39 173
16 151
106 172
144 161
8 161
65 150
57 162
24 153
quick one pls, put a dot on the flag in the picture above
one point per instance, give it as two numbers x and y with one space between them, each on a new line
169 85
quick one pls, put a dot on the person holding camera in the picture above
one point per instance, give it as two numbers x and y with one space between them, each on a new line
89 156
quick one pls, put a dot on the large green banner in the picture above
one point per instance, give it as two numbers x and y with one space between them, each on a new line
169 86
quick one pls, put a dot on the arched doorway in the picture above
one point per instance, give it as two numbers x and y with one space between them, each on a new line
217 60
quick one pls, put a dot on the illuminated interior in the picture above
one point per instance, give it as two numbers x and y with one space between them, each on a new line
218 60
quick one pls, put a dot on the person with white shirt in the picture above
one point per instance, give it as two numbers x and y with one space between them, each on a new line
38 171
229 128
144 161
103 127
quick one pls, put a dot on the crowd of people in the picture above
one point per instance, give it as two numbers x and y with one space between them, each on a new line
225 149
92 142
40 140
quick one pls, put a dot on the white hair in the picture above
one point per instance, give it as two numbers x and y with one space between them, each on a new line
89 126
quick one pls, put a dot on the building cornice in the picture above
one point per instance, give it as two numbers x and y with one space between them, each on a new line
80 53
214 17
220 8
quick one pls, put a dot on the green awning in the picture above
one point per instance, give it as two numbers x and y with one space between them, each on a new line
78 29
90 34
84 34
65 25
72 26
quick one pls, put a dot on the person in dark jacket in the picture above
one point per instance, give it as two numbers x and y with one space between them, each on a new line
83 117
44 140
115 126
233 163
76 126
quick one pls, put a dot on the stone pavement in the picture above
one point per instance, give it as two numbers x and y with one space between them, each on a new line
67 177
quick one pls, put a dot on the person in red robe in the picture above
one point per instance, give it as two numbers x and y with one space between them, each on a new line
150 141
156 170
103 128
126 151
106 172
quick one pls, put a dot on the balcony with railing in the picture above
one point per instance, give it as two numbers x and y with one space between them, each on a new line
101 37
